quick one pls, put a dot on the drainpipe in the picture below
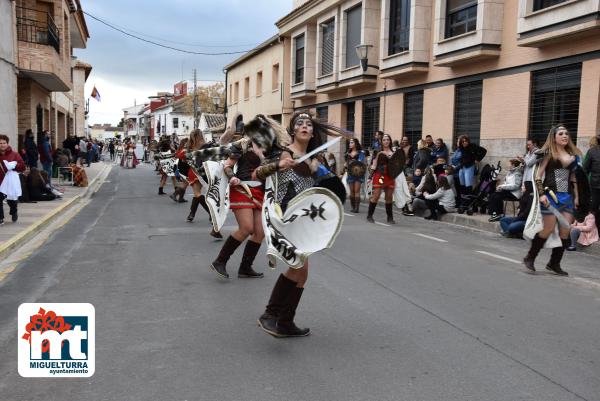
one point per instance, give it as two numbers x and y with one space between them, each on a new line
225 105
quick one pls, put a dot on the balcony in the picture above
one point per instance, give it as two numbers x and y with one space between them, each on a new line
41 55
35 26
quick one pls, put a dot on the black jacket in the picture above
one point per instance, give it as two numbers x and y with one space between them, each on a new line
591 165
422 158
471 154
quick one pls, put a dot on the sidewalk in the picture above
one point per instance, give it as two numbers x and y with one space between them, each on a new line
35 216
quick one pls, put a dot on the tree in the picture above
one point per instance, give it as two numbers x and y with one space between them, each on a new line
121 123
205 96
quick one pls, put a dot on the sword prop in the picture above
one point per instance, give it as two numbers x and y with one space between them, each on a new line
319 149
559 217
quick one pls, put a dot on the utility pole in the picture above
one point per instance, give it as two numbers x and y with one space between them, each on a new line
195 102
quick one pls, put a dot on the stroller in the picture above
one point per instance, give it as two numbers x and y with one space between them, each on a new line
487 185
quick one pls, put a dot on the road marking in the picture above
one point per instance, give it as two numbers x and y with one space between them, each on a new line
499 257
382 224
430 237
348 214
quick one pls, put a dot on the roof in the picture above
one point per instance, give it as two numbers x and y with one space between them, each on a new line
273 40
214 122
84 66
297 11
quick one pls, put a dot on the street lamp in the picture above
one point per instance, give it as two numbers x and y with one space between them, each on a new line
216 101
362 51
75 107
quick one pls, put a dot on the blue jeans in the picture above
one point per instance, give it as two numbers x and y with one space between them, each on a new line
88 157
466 175
48 169
511 225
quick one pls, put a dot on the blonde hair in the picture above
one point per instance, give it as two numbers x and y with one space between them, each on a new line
421 144
196 140
551 148
594 141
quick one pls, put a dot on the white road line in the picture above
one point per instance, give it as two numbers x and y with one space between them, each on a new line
350 215
382 224
430 237
499 257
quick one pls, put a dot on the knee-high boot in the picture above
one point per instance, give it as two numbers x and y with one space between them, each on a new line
556 256
285 323
203 203
357 203
537 243
372 206
246 270
389 207
268 320
193 209
220 263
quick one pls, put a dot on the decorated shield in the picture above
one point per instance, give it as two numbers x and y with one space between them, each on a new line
357 169
311 223
168 166
217 193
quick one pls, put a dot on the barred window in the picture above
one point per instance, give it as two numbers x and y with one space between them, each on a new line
467 110
461 17
370 121
399 26
555 99
413 116
299 59
350 116
323 113
353 28
328 35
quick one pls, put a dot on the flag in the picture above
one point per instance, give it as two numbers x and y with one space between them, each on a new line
96 94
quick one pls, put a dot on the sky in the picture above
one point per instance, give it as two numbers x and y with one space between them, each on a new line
125 69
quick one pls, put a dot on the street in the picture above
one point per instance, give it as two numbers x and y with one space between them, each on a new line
415 311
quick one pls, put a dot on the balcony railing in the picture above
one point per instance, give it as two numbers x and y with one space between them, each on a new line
35 26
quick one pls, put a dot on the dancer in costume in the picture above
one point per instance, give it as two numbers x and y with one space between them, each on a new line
184 168
561 187
293 180
355 169
385 168
245 200
165 146
129 160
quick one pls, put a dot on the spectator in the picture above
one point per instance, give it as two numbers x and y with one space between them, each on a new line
429 142
591 165
46 154
470 153
510 190
417 177
38 188
332 163
90 151
82 149
423 156
455 167
529 161
586 232
441 201
7 154
376 144
513 226
72 144
426 185
31 150
439 150
439 167
409 154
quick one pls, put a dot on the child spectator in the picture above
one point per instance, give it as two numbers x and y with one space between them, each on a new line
586 233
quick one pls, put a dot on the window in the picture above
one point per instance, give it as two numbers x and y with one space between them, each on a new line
323 113
461 17
413 116
350 116
236 93
399 26
299 59
230 93
541 4
246 88
175 122
467 110
353 27
328 35
275 77
259 83
370 120
555 99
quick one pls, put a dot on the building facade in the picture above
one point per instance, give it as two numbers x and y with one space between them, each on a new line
47 32
254 82
497 70
8 71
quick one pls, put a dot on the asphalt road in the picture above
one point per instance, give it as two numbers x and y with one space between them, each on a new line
416 311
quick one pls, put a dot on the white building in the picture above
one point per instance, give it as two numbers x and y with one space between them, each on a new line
173 118
133 121
8 72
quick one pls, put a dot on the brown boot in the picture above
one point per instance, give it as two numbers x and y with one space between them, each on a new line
220 263
246 270
193 209
372 207
285 324
268 320
389 210
537 243
555 258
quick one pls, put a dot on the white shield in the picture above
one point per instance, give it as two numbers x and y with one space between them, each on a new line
168 166
311 223
217 193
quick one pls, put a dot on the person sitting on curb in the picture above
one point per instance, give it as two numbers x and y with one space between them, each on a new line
513 226
510 190
8 155
586 232
442 201
37 186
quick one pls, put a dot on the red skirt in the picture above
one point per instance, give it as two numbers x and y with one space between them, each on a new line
387 182
192 178
239 198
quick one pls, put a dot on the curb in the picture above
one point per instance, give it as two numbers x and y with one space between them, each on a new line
46 220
